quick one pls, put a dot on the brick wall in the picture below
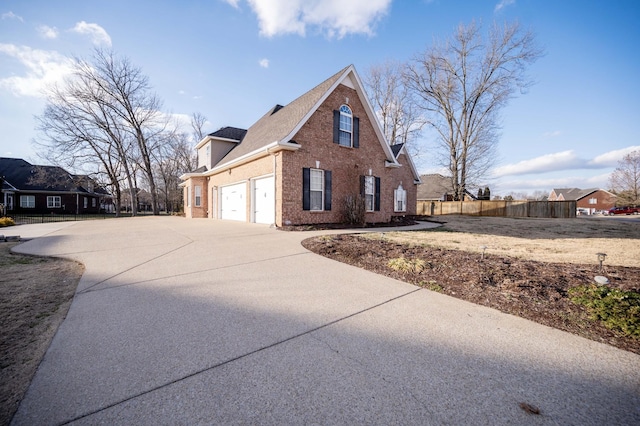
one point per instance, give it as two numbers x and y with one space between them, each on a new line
346 165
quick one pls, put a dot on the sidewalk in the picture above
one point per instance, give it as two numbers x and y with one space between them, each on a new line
205 322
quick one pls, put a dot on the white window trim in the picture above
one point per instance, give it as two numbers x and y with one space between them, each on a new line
348 115
51 202
198 195
370 184
27 204
312 190
400 196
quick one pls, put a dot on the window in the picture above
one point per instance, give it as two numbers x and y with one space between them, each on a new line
400 199
93 202
53 202
198 194
593 201
316 189
370 191
27 201
346 127
86 202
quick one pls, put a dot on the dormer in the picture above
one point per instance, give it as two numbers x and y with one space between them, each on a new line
215 146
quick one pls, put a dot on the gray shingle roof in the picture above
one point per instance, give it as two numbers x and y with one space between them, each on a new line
233 133
279 122
434 186
396 149
25 176
573 194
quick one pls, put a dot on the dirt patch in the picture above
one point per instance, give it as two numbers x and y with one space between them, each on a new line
35 295
526 270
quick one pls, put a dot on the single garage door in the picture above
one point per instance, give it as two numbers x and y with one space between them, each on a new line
263 201
233 202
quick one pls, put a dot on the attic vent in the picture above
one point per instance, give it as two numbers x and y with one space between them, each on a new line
276 109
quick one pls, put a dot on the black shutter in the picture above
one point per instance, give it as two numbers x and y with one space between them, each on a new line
377 196
327 190
306 189
336 126
356 132
362 184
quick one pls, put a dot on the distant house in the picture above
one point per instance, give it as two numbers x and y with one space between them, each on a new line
592 199
28 188
435 187
299 163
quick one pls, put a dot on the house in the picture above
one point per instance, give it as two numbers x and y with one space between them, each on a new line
592 199
299 163
27 188
435 187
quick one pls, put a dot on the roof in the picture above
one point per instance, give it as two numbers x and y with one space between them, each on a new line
280 121
396 149
21 175
574 194
434 187
275 129
232 133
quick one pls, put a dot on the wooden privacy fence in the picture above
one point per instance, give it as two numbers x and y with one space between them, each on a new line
499 208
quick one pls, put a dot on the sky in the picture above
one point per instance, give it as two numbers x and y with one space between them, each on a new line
232 60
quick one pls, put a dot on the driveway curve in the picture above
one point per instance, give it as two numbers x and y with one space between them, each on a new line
181 321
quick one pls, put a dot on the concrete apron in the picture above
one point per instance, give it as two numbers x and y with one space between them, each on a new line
181 321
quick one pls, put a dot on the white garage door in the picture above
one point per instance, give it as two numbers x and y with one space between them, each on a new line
263 201
233 202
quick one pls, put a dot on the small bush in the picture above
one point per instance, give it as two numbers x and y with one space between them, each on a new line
6 221
402 264
616 309
355 210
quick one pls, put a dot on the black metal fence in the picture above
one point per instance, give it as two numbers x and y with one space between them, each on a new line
27 219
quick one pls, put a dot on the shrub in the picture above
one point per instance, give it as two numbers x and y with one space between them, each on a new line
354 210
403 264
616 309
6 221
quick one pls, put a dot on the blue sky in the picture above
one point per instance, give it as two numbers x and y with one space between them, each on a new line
232 60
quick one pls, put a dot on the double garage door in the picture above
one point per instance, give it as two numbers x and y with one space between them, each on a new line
234 199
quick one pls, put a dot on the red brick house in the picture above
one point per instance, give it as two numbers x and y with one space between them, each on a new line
592 200
300 162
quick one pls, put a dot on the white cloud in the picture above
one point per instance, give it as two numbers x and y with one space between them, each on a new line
611 158
42 69
11 15
502 4
553 134
97 34
546 163
264 63
336 18
47 31
233 3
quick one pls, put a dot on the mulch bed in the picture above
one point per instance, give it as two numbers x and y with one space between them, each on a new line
529 289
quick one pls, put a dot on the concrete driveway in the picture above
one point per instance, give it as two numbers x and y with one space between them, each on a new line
181 321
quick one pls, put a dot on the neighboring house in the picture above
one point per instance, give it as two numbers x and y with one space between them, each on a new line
591 200
435 187
27 188
300 162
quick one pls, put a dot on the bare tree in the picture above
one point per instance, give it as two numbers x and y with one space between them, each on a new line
625 179
128 96
462 85
197 125
394 104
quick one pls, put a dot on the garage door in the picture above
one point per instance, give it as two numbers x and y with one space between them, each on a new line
263 201
233 202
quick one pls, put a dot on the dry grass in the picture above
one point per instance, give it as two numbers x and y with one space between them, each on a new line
545 240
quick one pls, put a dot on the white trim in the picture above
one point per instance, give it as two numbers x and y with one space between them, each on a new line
214 138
